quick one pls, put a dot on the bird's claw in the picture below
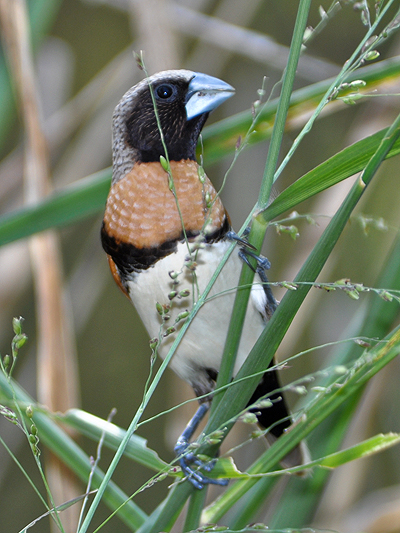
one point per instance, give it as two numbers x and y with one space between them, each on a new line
187 459
232 236
263 264
248 250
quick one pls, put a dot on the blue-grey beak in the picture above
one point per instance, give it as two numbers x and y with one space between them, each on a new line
205 94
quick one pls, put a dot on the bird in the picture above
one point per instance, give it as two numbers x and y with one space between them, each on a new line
165 231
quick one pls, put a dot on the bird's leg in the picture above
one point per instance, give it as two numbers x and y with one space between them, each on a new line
233 236
272 303
188 458
248 250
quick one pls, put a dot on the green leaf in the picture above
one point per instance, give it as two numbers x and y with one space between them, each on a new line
372 320
61 444
88 196
324 404
337 168
94 427
363 449
226 468
82 199
236 396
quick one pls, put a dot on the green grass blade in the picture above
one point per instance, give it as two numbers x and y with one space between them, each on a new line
61 444
162 514
196 505
226 468
284 103
94 427
82 199
88 196
326 403
337 168
368 447
297 505
257 232
237 396
373 320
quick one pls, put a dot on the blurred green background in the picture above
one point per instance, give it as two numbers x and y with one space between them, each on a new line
84 63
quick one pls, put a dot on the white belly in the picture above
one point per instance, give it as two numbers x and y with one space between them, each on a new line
203 343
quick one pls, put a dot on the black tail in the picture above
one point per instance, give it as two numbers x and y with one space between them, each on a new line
277 416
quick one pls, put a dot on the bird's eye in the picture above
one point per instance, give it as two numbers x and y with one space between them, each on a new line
165 91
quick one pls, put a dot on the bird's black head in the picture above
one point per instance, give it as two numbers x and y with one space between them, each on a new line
184 100
180 135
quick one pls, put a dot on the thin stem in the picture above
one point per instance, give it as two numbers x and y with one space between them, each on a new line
350 65
284 103
195 509
258 227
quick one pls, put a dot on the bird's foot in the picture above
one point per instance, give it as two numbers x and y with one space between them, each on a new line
248 250
263 264
188 460
190 465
